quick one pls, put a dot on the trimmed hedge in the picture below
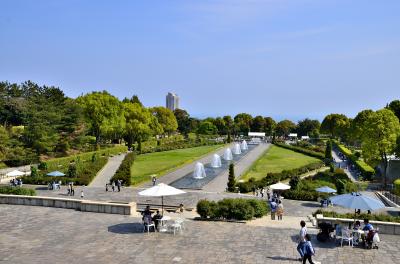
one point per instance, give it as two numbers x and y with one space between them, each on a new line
301 150
17 191
232 209
176 145
366 171
124 171
373 217
85 173
271 178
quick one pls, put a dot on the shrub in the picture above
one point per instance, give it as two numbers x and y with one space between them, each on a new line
17 191
124 171
328 151
294 181
71 170
304 195
34 171
206 208
42 165
237 209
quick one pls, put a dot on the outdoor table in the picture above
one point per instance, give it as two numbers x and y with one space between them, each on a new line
357 234
165 218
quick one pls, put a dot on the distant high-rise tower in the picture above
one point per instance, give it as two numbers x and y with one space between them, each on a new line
172 101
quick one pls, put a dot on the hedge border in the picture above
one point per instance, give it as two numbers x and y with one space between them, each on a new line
301 150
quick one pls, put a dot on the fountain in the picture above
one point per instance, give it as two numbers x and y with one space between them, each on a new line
236 149
228 154
199 172
216 161
244 146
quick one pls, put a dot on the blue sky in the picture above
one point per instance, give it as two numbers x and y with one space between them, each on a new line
281 58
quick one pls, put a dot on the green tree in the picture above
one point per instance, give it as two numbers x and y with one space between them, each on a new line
138 123
103 112
328 150
358 124
231 178
284 127
258 124
395 107
269 126
183 120
207 128
382 129
166 119
243 122
229 123
307 127
4 142
336 125
221 126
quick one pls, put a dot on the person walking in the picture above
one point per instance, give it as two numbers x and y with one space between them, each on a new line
308 250
72 189
82 195
119 185
154 180
113 186
262 192
273 206
106 187
302 239
279 210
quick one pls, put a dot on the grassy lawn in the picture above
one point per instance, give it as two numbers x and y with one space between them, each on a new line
160 163
277 159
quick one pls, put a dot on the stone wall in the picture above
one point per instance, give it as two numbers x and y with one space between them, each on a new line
80 205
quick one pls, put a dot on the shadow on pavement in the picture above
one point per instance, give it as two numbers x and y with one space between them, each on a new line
282 258
126 228
315 205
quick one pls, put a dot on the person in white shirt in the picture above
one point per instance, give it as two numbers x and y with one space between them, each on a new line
302 239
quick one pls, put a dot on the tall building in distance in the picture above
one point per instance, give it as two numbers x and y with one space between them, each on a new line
172 101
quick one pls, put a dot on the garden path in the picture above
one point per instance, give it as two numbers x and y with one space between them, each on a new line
107 172
343 164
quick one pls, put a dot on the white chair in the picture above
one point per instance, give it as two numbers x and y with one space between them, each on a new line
147 224
176 226
181 221
347 235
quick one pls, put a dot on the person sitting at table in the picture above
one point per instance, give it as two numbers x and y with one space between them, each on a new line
156 219
147 213
367 226
357 225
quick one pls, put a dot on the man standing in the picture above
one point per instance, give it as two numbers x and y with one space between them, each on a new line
302 239
154 179
119 185
273 206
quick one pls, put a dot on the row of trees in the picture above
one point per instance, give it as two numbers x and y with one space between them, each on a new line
376 132
243 123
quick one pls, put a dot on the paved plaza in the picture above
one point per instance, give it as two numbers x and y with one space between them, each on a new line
50 235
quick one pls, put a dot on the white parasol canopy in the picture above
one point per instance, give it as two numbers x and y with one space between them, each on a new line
162 190
15 173
280 186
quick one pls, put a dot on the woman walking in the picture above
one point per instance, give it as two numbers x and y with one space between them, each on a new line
279 210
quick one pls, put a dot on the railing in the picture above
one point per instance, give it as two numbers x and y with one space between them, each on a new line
392 197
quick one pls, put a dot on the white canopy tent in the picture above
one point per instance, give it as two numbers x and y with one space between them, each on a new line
279 186
15 173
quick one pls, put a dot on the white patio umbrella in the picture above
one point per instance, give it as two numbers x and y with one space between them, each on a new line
15 173
279 186
161 190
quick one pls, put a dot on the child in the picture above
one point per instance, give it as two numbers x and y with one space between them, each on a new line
308 250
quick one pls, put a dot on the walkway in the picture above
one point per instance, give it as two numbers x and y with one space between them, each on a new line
107 172
220 182
339 163
3 172
52 235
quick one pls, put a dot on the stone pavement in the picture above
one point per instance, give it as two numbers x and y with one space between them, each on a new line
51 235
107 172
220 182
